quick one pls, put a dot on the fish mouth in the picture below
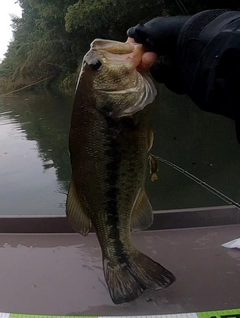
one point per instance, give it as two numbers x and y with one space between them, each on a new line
114 47
115 52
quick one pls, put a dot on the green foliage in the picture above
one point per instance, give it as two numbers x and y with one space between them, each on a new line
52 36
41 46
109 18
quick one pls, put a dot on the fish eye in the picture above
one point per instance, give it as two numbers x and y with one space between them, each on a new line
95 64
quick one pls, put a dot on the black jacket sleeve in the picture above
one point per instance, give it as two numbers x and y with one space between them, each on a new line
208 55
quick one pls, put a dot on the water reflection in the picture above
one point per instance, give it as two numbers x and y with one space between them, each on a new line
35 171
35 168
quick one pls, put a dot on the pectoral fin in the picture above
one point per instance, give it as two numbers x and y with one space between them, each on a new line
142 214
150 136
153 165
76 213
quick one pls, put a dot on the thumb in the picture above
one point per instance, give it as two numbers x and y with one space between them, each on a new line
148 60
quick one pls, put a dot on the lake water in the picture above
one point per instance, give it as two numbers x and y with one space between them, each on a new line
34 160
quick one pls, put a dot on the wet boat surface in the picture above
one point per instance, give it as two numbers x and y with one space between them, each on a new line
61 274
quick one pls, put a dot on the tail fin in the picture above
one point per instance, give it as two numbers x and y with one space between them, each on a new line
128 280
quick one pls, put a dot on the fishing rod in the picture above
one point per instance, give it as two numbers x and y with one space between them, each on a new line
200 182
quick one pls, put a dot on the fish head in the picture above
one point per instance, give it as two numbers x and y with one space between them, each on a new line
112 64
109 68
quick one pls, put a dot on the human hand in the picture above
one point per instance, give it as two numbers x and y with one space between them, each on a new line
148 58
159 37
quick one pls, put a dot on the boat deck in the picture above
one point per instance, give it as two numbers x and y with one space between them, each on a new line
61 274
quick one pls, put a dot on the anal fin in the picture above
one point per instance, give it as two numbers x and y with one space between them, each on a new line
76 213
142 213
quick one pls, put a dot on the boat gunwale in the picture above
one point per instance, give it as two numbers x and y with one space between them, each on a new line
163 220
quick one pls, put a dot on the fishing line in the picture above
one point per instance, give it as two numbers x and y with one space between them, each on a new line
22 88
182 7
200 182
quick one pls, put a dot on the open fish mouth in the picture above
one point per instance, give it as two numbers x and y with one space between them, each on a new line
115 52
114 47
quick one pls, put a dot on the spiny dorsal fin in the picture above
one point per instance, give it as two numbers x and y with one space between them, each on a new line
142 214
76 213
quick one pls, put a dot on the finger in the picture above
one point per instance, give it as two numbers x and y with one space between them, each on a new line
130 32
148 60
130 40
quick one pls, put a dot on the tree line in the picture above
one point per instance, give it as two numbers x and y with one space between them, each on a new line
51 37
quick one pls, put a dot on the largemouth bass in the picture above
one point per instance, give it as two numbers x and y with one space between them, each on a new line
110 138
